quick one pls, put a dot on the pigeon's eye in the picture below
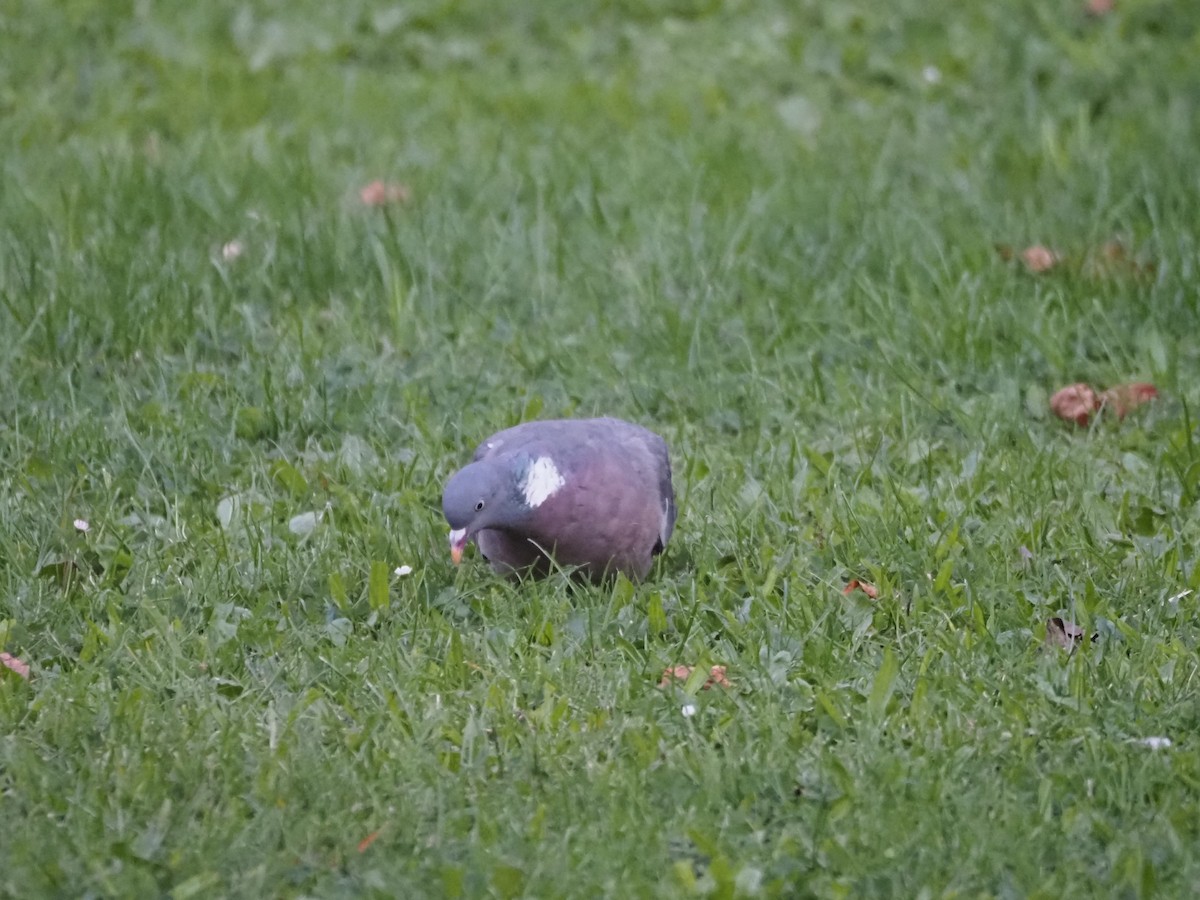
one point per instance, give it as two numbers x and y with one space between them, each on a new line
479 506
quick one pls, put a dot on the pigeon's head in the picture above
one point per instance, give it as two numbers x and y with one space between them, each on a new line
498 492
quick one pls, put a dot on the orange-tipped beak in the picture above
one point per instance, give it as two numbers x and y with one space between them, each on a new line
458 542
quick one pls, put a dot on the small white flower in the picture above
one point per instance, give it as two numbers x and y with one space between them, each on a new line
688 710
82 526
1156 743
401 571
232 250
931 74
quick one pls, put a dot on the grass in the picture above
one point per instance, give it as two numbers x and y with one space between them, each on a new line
768 231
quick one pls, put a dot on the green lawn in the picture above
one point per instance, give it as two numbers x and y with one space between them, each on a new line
768 230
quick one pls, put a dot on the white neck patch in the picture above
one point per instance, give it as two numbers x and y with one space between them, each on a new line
541 482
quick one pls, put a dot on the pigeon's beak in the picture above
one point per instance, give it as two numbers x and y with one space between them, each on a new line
458 541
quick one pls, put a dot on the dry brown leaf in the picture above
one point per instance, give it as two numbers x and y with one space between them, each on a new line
866 587
13 664
716 675
1114 252
674 673
1039 259
1124 398
371 838
381 193
1113 260
1075 403
1062 634
1079 402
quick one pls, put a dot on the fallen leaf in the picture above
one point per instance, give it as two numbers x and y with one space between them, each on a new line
13 664
1075 403
1062 634
1079 402
371 838
381 193
716 675
1039 259
674 673
1124 398
865 586
1036 258
1099 8
1113 260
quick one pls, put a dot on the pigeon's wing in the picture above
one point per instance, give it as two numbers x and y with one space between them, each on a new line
522 436
650 447
488 447
616 509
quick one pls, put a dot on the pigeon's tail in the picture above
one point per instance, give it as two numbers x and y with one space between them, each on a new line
667 492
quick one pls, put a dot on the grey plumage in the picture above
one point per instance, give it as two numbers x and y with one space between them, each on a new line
592 494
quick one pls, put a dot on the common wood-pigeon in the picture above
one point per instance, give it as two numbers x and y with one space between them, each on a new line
592 495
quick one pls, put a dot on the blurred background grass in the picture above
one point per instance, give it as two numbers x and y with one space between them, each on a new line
767 230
